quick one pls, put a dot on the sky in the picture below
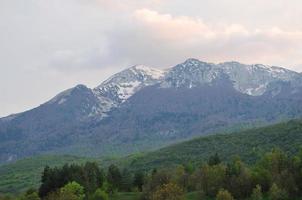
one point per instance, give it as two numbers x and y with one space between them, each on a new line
47 46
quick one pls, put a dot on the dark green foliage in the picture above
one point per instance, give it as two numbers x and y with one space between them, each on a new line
139 180
23 174
30 194
94 177
127 181
277 173
276 193
224 195
239 179
257 193
114 177
214 160
88 175
250 145
157 179
99 195
275 176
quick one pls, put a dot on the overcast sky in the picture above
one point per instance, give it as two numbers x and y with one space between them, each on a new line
47 46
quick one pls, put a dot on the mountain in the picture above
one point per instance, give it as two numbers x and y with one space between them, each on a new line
142 108
248 144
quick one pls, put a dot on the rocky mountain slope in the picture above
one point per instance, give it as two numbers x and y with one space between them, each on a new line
143 108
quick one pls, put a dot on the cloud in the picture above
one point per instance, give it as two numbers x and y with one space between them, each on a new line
163 39
50 45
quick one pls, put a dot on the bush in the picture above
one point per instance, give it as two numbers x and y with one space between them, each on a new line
168 191
224 195
99 195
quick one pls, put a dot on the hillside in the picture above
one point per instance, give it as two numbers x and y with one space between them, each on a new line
26 173
249 145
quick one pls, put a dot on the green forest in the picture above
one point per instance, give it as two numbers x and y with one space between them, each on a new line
260 163
275 176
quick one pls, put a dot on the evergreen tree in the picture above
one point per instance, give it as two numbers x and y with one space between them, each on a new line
114 177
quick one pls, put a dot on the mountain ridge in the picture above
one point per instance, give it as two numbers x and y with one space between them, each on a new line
141 108
115 82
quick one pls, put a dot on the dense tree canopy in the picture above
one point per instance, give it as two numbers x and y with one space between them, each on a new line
276 176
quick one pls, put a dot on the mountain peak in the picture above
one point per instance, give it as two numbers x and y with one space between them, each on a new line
193 61
63 96
124 84
147 71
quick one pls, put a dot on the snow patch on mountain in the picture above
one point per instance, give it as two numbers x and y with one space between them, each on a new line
190 74
123 85
254 79
61 97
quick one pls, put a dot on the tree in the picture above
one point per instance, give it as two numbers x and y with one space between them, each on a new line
73 190
211 179
30 194
99 195
224 195
114 177
189 167
261 176
214 160
90 176
139 180
127 180
94 177
168 191
239 179
257 193
157 180
47 179
181 177
275 193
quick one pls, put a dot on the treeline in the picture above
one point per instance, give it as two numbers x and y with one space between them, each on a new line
275 176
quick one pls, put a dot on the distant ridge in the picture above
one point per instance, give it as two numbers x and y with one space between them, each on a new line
142 108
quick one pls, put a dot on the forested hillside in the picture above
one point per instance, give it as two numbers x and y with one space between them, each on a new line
275 176
250 145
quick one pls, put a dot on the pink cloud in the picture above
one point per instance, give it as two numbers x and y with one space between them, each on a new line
187 36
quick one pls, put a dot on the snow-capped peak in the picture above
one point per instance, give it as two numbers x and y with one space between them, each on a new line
190 73
124 84
152 72
249 79
254 79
